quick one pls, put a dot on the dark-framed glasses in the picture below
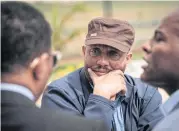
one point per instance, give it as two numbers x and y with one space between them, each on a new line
56 56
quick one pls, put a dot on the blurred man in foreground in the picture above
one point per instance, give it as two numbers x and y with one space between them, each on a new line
100 90
26 64
162 69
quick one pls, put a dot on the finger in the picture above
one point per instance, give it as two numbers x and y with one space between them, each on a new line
92 74
123 92
123 82
118 72
113 98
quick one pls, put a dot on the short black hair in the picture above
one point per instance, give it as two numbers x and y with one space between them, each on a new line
25 34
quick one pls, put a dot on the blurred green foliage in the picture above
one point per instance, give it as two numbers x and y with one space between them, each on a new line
61 35
58 17
64 69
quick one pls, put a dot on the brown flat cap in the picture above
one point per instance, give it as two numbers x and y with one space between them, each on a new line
116 33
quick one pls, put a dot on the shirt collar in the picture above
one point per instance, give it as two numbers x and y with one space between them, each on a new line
171 103
18 89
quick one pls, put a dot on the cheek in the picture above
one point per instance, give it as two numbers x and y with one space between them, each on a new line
89 61
162 59
120 65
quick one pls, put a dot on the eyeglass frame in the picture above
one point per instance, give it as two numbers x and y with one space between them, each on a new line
56 56
121 54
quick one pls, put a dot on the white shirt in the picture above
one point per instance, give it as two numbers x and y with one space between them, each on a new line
18 89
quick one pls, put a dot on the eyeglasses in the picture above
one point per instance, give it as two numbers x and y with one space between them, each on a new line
56 56
112 54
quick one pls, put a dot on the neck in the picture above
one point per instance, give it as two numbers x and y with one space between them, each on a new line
173 85
169 84
19 80
172 88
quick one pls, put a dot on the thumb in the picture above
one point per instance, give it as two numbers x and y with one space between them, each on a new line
92 74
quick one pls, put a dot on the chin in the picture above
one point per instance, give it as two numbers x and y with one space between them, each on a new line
146 78
143 76
148 74
153 80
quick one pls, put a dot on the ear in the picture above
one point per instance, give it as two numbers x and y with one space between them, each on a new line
84 50
33 67
128 57
40 66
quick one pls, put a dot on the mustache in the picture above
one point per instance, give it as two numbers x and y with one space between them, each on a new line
99 68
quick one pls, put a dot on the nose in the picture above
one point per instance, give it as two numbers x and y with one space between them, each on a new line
146 47
103 61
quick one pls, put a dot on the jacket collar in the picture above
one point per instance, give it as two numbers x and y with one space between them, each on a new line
171 104
17 99
18 89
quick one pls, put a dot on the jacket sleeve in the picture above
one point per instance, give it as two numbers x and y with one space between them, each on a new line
150 113
96 107
169 123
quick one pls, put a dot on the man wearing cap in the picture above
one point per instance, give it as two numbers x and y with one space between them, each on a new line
100 90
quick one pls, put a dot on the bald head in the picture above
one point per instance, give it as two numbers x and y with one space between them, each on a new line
172 22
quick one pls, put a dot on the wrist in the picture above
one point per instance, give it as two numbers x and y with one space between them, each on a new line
102 93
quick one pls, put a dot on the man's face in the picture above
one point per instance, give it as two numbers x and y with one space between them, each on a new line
162 55
102 59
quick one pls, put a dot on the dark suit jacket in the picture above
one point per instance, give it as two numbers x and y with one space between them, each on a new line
18 113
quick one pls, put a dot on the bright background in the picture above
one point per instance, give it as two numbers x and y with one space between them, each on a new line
69 21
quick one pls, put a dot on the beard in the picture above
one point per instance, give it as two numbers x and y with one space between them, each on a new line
104 69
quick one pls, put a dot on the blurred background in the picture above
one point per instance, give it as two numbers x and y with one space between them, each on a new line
69 21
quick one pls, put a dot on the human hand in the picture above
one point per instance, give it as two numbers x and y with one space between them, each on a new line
109 84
